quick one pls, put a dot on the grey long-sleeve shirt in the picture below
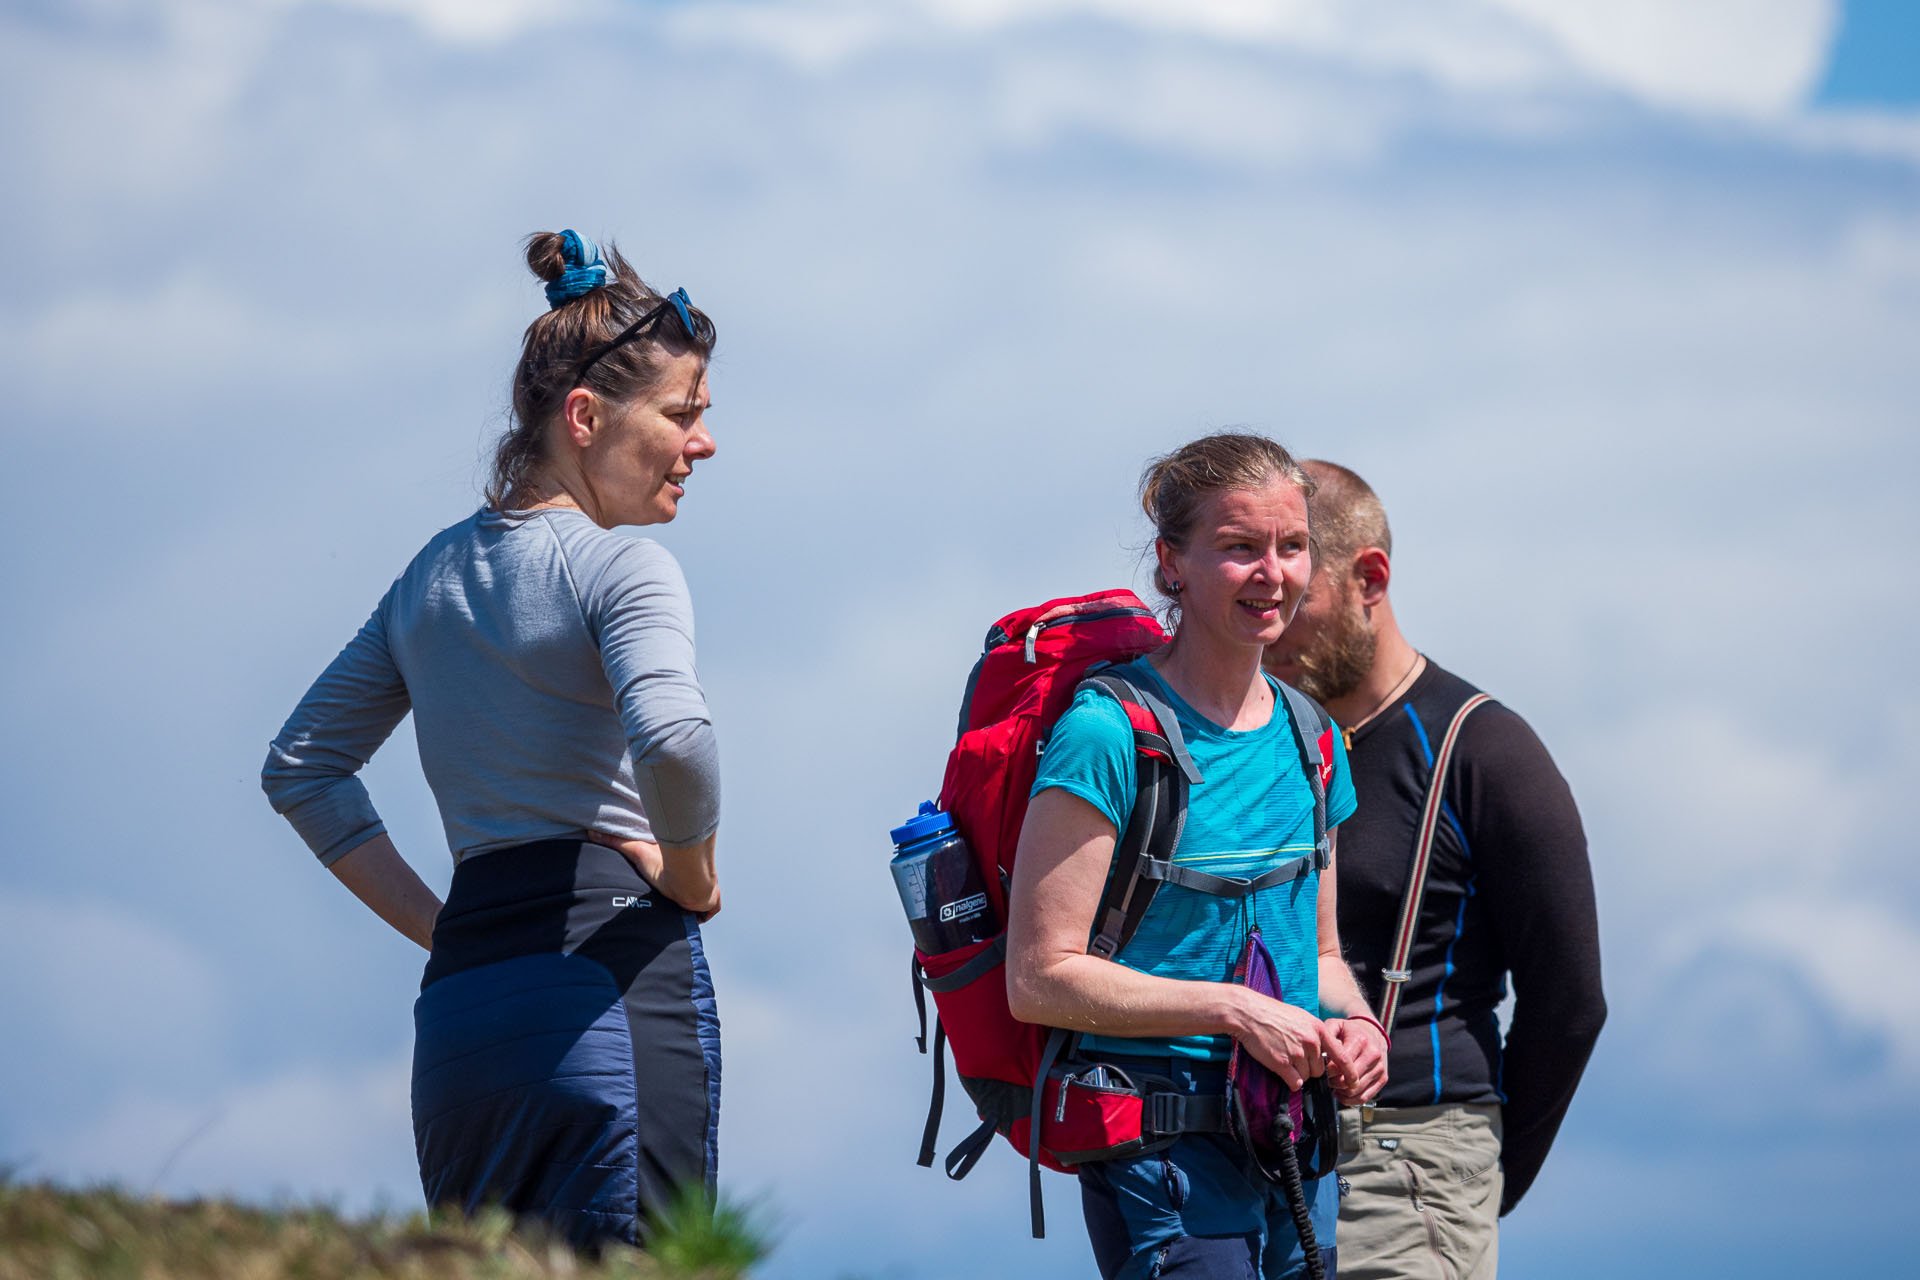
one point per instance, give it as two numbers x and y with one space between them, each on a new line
549 666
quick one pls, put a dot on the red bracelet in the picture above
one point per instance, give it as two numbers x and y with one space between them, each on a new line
1367 1017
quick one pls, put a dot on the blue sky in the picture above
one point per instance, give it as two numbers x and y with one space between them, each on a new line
1615 303
1874 56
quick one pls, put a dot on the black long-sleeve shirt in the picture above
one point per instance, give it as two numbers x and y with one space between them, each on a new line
1509 891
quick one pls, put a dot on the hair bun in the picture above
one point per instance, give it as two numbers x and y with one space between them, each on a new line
569 263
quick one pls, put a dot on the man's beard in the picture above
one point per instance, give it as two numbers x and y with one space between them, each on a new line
1340 656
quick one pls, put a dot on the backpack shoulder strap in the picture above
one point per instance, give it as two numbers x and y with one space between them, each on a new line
1397 971
1143 856
1313 729
1156 730
1165 771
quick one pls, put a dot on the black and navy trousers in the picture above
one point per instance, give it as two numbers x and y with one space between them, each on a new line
566 1061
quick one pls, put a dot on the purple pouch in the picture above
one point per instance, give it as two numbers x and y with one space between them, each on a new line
1262 1112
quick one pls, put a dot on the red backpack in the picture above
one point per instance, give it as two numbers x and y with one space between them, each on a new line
1025 1081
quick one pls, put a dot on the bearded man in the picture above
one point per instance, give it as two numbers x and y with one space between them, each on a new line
1465 1120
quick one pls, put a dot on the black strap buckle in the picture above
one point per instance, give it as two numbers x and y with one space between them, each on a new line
1168 1114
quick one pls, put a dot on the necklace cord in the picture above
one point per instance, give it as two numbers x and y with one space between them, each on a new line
1346 734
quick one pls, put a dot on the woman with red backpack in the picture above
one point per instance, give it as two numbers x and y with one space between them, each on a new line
1233 552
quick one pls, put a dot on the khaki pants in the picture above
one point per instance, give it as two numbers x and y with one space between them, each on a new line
1424 1197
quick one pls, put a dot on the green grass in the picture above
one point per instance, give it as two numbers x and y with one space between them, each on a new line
55 1233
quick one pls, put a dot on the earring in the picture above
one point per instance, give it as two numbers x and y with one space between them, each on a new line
1173 588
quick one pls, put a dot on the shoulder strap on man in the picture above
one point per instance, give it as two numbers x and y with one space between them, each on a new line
1313 727
1396 973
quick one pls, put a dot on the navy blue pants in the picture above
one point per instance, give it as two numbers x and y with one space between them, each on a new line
1198 1210
566 1061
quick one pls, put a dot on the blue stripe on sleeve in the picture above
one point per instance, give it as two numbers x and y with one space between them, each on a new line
1459 924
1426 748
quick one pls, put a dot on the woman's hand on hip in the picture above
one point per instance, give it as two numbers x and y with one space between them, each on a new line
643 854
381 878
685 875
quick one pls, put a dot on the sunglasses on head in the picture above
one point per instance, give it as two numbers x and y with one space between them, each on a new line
699 329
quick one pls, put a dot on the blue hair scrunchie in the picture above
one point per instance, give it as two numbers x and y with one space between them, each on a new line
585 272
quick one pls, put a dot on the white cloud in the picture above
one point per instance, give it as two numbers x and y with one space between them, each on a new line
816 37
128 117
1722 846
1745 58
1717 808
470 21
1465 45
1860 953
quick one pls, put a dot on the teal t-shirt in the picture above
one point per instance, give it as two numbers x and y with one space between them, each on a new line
1252 810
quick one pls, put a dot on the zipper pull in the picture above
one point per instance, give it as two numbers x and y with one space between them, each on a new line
1060 1112
1033 643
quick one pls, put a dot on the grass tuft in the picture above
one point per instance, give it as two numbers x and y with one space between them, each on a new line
103 1233
698 1235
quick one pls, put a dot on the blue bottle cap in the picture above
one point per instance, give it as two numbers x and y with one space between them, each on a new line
928 822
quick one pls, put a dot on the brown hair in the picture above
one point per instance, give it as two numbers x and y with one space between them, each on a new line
557 343
1175 485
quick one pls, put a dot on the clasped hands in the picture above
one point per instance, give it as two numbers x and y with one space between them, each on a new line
1296 1046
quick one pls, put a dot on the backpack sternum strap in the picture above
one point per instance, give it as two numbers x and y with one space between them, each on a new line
1143 858
1226 886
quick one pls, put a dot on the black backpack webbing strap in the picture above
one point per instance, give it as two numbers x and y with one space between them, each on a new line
1165 1113
920 1004
1056 1041
931 1134
967 1152
1310 721
1153 828
973 683
1165 772
1397 972
989 956
980 964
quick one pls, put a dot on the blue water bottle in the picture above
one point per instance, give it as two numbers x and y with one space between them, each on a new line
939 884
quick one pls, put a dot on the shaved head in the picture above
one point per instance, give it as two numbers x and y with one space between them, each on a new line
1330 647
1346 514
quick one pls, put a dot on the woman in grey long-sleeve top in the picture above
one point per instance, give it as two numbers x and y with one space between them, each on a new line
567 1053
